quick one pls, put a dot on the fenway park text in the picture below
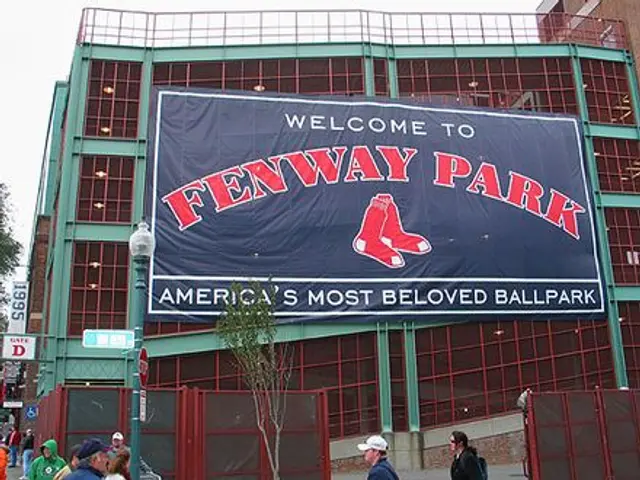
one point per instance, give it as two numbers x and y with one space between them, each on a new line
354 297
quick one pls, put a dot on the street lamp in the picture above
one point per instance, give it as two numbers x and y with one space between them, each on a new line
141 246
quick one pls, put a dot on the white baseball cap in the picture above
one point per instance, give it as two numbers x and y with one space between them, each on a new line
375 442
117 436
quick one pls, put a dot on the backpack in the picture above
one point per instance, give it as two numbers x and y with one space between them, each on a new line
483 468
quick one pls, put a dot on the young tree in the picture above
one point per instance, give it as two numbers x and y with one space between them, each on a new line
9 247
248 329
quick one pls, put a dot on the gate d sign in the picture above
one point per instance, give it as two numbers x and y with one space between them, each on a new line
116 339
18 347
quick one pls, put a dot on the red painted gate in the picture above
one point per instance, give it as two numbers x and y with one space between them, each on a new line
194 434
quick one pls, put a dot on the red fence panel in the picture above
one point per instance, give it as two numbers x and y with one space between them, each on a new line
584 435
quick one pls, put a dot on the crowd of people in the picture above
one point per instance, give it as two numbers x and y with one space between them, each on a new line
92 459
466 464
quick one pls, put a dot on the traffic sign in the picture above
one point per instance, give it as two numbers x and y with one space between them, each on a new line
143 405
18 347
116 339
143 367
31 412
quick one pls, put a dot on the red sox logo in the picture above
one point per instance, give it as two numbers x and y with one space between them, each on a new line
382 237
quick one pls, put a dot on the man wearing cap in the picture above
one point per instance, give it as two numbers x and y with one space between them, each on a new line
375 454
93 460
48 464
117 444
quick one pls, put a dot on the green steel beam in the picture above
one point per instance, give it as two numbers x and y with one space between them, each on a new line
98 232
323 50
248 52
411 373
98 146
612 131
113 53
384 378
615 333
208 340
66 193
627 294
619 200
600 53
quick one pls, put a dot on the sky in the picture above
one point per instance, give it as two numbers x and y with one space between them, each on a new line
37 38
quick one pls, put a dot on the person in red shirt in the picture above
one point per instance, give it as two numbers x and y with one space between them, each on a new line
14 439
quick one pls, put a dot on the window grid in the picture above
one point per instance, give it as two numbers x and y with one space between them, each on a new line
113 99
618 163
630 325
535 84
607 91
345 367
398 382
106 189
313 76
99 287
623 229
479 369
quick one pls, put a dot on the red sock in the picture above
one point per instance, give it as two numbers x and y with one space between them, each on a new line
368 240
394 235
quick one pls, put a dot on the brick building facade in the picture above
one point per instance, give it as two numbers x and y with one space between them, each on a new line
628 10
38 262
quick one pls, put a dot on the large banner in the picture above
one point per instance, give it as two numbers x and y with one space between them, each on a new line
365 209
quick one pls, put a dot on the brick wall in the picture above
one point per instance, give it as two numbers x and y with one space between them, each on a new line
36 302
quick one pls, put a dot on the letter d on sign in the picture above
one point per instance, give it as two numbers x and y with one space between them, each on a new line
18 351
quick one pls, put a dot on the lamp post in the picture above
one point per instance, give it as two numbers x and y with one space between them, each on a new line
141 246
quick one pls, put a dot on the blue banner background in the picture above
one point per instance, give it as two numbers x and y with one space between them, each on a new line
305 234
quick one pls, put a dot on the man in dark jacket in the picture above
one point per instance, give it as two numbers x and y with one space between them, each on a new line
465 465
93 461
375 454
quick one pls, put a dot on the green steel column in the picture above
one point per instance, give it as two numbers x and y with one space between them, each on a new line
66 194
59 104
392 75
369 77
384 378
139 180
411 373
633 89
615 333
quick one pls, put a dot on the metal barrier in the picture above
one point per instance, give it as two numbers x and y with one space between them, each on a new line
142 29
191 433
584 435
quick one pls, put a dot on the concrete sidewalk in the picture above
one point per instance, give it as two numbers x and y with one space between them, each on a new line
14 473
497 472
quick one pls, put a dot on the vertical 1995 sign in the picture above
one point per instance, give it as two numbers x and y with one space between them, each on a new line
18 317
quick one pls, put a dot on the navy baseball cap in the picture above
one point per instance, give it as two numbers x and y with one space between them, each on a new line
91 446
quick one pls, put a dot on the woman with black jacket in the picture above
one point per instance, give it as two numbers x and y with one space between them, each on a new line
465 464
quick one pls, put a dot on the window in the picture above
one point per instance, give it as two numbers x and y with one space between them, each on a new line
99 286
607 90
113 99
623 227
106 189
536 84
618 163
312 76
474 370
